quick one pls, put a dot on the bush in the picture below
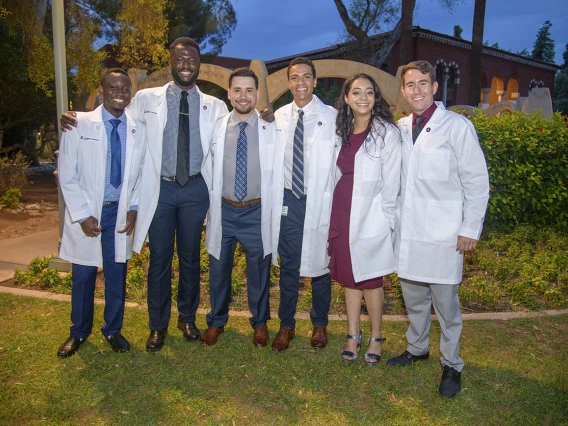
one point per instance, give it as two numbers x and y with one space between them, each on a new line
527 157
11 198
49 278
13 173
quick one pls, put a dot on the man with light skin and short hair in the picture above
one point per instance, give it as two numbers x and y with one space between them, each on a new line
240 190
303 189
444 195
99 167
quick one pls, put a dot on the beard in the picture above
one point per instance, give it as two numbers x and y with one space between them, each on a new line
184 82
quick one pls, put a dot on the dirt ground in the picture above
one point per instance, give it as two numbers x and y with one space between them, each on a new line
37 211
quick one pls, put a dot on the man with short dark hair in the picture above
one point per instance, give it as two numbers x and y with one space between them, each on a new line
303 188
444 195
99 173
240 190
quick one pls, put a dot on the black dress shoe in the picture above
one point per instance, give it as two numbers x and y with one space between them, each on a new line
155 340
118 342
406 358
69 347
190 331
451 382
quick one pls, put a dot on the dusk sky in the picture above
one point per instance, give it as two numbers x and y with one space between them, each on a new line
271 29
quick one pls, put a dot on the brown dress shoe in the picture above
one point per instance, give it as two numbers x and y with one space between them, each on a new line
282 339
212 335
260 336
319 337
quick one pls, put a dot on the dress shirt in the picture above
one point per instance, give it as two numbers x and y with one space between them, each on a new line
169 144
427 114
230 158
311 117
112 193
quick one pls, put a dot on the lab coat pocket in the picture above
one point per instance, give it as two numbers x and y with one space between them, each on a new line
434 164
443 220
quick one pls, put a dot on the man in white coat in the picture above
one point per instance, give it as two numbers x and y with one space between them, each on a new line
240 190
444 195
303 189
99 173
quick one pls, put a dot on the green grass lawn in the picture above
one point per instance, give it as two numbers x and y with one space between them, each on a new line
515 374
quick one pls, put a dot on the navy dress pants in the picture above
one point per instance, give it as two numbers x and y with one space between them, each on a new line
290 251
240 224
179 216
84 278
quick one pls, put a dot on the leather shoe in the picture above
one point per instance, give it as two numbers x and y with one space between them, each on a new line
406 358
319 337
118 342
190 331
69 347
212 335
451 382
282 339
156 340
260 336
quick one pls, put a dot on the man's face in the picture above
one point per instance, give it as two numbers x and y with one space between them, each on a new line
301 83
243 95
116 91
185 64
419 90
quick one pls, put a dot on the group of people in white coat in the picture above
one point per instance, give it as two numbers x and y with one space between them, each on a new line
332 194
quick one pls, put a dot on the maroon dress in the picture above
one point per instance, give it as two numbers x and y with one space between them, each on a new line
340 267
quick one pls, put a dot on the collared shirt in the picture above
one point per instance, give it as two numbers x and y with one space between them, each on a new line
169 144
311 117
230 158
112 193
427 114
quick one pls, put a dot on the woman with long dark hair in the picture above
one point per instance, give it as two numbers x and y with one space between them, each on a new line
363 211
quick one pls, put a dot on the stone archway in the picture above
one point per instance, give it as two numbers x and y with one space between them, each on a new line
512 93
497 89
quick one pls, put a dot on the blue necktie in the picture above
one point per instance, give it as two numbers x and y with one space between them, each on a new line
115 154
241 170
298 158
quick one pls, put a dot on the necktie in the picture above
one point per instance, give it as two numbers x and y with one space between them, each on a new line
417 129
241 170
115 154
298 158
182 166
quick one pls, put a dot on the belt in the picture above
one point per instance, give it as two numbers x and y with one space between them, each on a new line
173 178
240 204
109 203
289 191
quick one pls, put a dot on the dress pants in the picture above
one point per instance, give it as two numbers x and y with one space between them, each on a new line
83 288
290 251
240 224
179 216
418 298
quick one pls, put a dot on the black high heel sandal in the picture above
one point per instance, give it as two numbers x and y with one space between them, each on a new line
374 357
353 355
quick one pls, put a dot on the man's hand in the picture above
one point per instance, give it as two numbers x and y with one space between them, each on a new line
91 227
267 115
465 244
130 222
68 120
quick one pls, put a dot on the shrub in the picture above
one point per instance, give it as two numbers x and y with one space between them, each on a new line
527 157
13 173
38 264
49 278
11 198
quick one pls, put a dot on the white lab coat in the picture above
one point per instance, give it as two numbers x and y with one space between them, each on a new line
376 184
81 172
150 106
444 193
320 184
266 143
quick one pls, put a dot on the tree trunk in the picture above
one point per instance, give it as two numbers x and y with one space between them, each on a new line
406 32
476 52
1 135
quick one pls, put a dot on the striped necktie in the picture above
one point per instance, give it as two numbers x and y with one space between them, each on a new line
417 129
115 155
241 170
298 158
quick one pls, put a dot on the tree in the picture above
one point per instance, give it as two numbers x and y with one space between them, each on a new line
544 46
458 31
560 101
476 52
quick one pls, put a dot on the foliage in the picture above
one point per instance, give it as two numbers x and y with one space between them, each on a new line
11 198
13 173
560 100
49 278
458 30
527 157
544 45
